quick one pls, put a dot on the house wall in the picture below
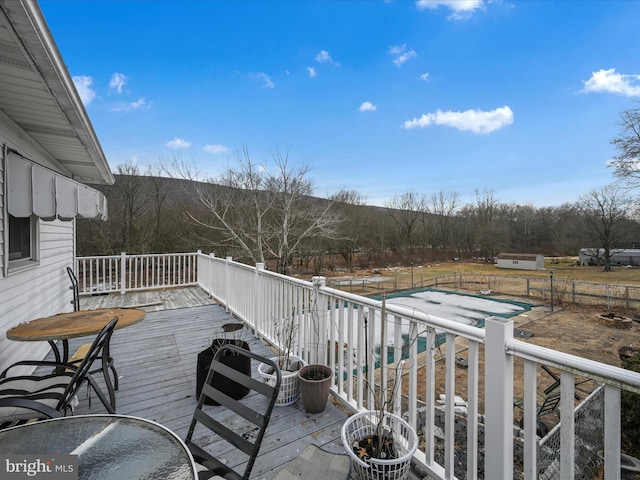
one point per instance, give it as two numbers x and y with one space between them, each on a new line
40 290
2 160
37 292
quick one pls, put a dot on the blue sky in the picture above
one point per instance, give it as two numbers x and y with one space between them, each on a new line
382 97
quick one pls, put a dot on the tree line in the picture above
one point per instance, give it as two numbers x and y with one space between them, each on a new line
266 211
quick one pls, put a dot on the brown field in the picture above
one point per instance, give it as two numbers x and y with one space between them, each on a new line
564 269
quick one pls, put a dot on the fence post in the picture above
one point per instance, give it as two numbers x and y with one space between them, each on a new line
626 297
123 273
498 399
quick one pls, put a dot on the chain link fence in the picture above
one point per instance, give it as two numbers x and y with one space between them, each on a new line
589 442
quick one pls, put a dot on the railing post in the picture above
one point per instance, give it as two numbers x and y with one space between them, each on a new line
210 270
227 282
258 302
498 399
123 273
318 338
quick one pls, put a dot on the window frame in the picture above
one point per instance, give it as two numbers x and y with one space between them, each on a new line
33 259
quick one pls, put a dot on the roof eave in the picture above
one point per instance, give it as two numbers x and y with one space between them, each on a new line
29 23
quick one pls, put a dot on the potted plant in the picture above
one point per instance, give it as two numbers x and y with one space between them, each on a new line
380 443
287 362
315 378
231 334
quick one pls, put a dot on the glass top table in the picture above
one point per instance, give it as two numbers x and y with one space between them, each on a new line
109 447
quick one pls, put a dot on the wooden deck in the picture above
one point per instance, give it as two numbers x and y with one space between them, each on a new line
156 360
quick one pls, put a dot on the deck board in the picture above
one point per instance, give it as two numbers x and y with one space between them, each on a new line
156 360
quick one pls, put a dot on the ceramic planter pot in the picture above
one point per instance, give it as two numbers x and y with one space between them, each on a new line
315 383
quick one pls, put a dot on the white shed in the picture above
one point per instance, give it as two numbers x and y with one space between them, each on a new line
48 153
521 261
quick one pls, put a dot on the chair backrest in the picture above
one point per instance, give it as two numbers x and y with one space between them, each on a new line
76 289
549 405
80 373
248 414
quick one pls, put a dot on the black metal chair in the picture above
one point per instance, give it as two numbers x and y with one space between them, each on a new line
82 350
548 406
76 289
245 420
28 397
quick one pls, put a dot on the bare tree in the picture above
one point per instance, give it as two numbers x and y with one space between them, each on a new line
405 210
351 206
487 228
441 208
605 211
261 211
627 162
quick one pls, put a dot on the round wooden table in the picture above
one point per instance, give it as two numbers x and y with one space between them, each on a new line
64 326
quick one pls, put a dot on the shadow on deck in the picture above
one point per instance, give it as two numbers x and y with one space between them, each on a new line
156 360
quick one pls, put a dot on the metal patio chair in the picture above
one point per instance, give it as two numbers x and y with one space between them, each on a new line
547 407
75 288
245 420
82 349
28 397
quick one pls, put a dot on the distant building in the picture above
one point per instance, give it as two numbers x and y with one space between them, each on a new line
521 261
619 256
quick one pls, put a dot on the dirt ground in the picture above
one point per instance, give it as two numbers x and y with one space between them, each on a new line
574 330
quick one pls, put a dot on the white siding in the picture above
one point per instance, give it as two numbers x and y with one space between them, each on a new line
37 292
517 264
2 160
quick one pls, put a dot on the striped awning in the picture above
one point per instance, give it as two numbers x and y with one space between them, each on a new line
36 190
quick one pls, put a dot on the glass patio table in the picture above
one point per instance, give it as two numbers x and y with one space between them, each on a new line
108 447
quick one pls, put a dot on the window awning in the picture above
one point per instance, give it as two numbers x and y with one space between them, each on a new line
35 190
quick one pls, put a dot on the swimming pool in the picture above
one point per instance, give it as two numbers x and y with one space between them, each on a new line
469 309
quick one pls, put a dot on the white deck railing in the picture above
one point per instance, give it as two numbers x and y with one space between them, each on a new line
346 332
126 273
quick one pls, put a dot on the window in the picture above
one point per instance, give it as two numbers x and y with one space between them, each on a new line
22 240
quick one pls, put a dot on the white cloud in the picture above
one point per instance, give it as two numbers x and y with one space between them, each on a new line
178 143
367 107
215 149
140 104
401 54
424 77
118 81
612 82
461 9
324 57
83 86
312 72
266 79
476 121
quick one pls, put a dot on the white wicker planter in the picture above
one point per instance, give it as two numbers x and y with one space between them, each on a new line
289 386
362 425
